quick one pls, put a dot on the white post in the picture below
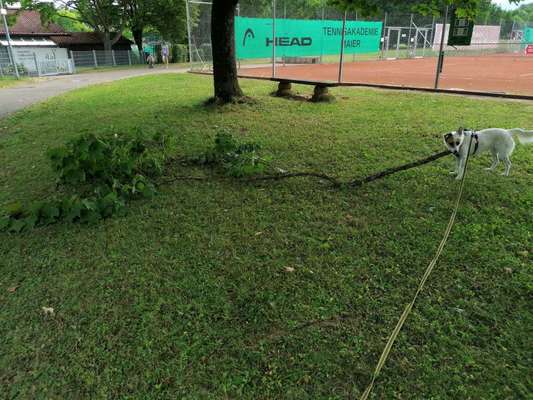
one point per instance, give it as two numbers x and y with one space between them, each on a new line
113 57
95 60
343 35
189 35
273 38
10 51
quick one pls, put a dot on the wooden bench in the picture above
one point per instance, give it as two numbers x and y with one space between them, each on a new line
320 94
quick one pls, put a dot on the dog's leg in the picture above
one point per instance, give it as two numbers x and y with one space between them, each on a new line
495 162
456 170
508 165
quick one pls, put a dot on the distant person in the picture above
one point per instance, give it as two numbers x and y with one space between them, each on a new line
150 59
165 54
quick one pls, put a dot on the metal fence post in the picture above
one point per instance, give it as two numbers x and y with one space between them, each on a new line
113 57
37 67
409 50
273 38
322 47
72 62
383 36
10 51
129 57
189 37
343 35
95 61
441 51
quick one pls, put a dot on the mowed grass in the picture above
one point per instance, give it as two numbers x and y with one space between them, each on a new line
191 296
6 81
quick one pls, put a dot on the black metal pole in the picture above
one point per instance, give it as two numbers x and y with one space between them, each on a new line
440 61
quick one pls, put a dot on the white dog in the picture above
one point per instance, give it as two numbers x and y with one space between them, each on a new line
498 141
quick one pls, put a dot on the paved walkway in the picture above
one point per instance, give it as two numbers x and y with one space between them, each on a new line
17 97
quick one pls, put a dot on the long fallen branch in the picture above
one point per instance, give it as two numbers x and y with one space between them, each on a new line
390 171
334 181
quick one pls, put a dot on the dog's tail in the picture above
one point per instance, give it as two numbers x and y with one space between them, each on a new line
524 137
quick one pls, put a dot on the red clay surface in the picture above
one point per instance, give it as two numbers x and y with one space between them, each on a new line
496 73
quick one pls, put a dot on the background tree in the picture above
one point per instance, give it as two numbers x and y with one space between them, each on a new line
106 17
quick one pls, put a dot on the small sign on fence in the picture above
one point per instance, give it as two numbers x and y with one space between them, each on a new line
529 50
461 30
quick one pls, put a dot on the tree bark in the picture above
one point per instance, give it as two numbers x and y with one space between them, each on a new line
226 83
108 45
138 38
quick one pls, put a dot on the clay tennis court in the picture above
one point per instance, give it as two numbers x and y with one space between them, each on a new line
499 73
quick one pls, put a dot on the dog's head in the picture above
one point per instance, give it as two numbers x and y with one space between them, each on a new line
454 140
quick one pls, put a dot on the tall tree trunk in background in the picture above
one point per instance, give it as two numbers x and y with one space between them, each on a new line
108 45
226 83
138 38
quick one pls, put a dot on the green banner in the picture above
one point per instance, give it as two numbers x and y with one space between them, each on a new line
528 36
301 38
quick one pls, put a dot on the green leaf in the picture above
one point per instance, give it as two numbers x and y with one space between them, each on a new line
15 209
4 223
17 225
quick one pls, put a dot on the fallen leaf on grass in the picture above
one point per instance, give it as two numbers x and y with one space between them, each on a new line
508 270
12 289
48 310
289 269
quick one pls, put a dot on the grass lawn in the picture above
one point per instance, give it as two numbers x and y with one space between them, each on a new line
6 81
191 296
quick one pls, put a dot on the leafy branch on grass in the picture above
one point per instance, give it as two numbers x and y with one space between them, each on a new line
98 175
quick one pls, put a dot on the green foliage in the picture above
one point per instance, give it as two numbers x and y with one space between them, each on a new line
179 53
103 172
10 70
369 7
237 159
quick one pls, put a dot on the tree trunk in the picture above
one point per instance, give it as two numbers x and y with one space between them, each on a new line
108 46
226 83
138 38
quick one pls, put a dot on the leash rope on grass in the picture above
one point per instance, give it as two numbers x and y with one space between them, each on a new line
429 270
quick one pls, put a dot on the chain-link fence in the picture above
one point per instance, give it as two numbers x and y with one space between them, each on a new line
28 63
102 58
320 43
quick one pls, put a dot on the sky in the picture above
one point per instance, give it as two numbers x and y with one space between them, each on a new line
508 6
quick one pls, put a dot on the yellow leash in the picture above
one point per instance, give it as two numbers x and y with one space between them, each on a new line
429 270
